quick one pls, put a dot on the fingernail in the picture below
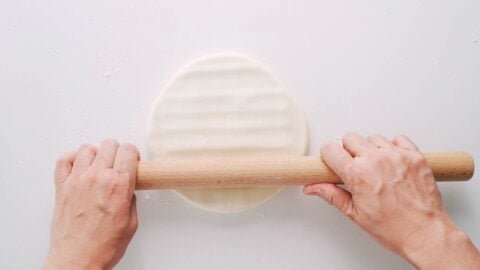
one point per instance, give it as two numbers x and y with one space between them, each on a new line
311 190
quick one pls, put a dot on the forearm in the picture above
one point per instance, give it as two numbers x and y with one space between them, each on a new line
444 247
56 261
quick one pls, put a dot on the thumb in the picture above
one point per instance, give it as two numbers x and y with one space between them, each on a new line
336 196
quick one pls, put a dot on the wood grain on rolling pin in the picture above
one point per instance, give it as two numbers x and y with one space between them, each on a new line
270 171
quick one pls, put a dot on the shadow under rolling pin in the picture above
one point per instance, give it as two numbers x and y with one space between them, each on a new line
171 173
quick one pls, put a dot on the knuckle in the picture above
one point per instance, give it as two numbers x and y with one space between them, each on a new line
87 148
348 135
396 139
130 148
65 158
110 141
387 157
400 136
418 160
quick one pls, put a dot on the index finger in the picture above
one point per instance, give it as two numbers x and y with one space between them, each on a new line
126 161
337 159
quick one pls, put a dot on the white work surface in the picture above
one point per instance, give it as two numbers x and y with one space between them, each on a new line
77 72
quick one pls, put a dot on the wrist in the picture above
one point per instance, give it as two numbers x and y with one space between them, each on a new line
442 246
62 260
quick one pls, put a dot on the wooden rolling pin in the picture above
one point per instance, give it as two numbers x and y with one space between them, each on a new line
271 171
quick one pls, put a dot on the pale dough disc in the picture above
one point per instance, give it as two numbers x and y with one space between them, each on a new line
226 105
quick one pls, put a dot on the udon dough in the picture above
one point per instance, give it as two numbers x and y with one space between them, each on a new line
226 105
